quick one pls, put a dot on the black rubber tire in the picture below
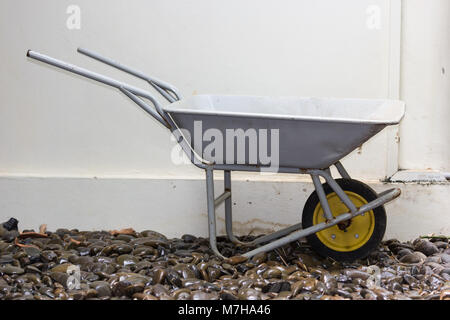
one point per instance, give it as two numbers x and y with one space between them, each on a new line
379 229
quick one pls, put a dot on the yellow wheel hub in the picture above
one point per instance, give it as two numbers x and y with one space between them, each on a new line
350 235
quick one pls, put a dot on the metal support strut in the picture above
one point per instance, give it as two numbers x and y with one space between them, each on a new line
294 232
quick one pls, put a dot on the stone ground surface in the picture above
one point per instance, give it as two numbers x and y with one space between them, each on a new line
71 264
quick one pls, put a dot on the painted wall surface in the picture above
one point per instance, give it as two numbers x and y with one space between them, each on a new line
55 124
178 206
425 85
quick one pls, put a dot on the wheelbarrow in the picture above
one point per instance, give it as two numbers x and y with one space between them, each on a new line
343 218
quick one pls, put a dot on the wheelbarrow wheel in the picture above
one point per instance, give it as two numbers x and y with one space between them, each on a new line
352 239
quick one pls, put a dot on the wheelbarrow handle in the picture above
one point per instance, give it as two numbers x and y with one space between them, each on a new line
168 91
132 92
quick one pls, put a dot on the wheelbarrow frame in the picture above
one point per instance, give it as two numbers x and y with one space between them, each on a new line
172 94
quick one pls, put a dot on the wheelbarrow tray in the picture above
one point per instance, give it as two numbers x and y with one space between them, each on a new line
314 133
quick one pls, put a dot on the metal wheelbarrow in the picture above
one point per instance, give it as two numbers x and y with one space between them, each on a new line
343 218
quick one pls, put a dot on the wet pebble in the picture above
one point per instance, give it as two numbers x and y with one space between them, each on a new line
127 260
10 269
102 288
277 287
426 247
411 258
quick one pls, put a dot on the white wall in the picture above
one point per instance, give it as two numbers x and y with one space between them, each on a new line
55 124
425 85
177 206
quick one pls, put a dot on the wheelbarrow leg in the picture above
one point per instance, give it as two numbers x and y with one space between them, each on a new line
211 211
292 233
228 208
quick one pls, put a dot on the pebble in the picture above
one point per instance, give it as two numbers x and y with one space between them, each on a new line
277 287
411 258
425 246
9 269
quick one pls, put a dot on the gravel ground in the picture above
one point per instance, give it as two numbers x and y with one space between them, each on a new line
72 264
